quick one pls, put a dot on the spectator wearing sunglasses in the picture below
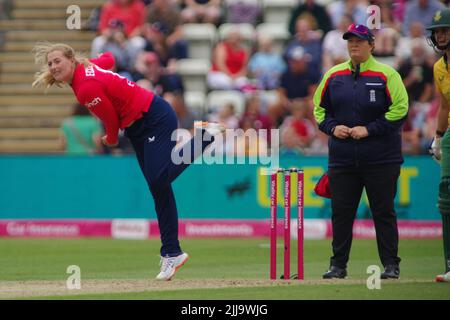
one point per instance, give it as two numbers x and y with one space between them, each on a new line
361 104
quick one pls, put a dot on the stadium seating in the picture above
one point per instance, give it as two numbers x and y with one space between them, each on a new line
217 98
324 2
277 31
193 73
387 60
30 119
246 30
268 97
201 38
196 101
278 11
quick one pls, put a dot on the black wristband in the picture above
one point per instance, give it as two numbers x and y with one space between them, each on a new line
440 133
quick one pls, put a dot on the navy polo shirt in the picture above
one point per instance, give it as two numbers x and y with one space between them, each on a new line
296 85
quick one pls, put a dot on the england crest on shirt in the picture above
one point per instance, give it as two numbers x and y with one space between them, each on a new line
372 96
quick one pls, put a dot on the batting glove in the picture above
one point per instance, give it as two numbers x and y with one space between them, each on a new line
435 149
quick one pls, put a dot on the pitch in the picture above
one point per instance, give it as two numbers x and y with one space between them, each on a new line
234 268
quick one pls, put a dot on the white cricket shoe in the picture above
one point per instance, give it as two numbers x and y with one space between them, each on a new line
443 277
170 265
213 128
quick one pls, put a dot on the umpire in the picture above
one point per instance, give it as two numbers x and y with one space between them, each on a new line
361 105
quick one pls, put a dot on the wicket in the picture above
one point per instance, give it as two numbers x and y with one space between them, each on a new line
287 222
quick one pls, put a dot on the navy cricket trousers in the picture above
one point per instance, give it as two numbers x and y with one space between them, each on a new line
151 140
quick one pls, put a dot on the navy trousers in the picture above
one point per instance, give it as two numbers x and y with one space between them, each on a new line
151 140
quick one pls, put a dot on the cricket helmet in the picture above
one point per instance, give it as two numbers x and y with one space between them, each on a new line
441 19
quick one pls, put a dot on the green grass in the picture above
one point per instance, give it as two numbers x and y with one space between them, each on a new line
408 291
48 259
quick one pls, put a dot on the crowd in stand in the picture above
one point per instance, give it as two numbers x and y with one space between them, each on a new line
146 38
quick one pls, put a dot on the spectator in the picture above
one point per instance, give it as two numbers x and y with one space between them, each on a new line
163 33
321 19
298 131
244 146
130 13
387 35
225 115
417 75
229 65
116 44
93 21
254 116
319 145
334 47
428 131
296 82
411 134
81 133
420 11
403 48
310 41
355 8
265 65
398 9
244 11
248 141
201 11
148 69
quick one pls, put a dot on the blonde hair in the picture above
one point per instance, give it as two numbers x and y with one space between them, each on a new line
44 78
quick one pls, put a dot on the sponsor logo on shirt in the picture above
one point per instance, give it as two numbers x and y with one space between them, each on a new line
93 103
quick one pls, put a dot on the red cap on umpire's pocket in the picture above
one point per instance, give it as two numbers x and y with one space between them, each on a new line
322 187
